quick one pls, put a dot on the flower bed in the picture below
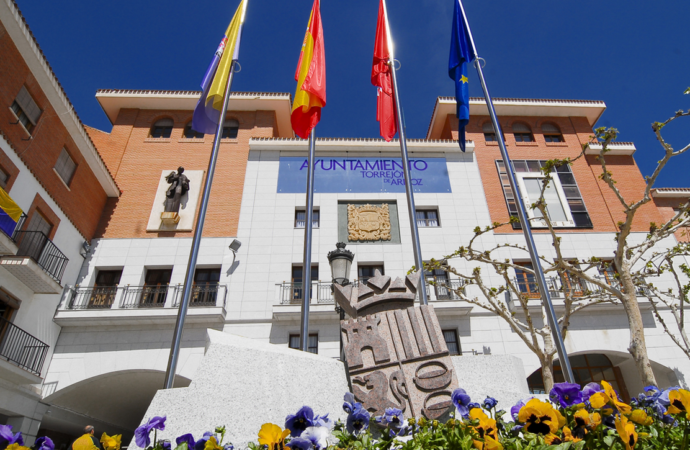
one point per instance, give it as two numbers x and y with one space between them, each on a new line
592 417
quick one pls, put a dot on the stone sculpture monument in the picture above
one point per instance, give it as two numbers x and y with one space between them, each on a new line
368 223
395 352
179 185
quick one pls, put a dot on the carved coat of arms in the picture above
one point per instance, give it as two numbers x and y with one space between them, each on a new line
368 223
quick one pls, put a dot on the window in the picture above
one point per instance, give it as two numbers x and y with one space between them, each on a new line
4 178
364 272
551 133
65 167
155 287
563 199
312 345
8 305
26 109
189 133
607 272
572 284
452 342
589 368
105 288
205 286
440 279
162 128
230 129
427 218
39 223
301 218
526 281
297 281
489 133
522 133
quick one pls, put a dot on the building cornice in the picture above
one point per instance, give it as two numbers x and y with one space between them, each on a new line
114 100
28 47
444 106
671 192
614 149
358 145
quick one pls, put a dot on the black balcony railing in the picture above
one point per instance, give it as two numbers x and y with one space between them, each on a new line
558 287
97 297
36 245
21 348
203 295
144 296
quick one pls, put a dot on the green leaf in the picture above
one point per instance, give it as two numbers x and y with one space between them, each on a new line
182 446
687 91
609 440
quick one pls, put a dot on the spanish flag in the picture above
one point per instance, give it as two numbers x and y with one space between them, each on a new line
311 78
207 112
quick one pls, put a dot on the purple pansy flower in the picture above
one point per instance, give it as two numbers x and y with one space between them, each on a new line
299 422
515 410
461 400
490 403
299 443
44 443
165 445
392 418
350 402
590 389
567 394
201 443
7 438
228 446
358 419
187 438
141 434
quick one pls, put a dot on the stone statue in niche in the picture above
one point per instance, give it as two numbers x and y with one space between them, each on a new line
179 185
395 352
368 223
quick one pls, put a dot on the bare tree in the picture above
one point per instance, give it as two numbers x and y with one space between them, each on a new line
633 263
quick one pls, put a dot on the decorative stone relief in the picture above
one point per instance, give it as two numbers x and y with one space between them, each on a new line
368 223
395 352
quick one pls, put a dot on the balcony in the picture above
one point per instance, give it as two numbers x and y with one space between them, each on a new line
23 354
37 263
140 304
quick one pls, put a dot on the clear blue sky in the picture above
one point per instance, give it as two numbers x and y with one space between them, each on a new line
633 55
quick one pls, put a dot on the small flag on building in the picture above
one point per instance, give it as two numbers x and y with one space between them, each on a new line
207 112
310 96
10 213
381 78
461 52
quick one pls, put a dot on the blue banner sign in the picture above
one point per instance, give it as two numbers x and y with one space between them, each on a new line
363 175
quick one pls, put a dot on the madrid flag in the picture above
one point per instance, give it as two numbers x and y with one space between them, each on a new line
381 78
311 78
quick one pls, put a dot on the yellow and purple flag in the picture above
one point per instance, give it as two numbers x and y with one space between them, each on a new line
10 213
207 112
310 96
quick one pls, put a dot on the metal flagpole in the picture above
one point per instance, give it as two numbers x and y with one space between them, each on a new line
198 229
306 267
524 220
419 262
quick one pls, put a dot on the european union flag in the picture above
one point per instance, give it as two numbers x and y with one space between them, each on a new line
461 53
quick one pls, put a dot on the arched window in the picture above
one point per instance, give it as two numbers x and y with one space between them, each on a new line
489 133
589 368
551 133
522 133
162 128
189 133
230 129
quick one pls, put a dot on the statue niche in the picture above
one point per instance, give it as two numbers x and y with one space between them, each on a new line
179 186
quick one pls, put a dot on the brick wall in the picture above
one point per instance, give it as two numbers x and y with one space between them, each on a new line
666 207
137 161
83 202
601 203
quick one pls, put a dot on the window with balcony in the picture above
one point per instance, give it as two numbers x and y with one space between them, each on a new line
366 271
156 287
489 133
297 280
522 132
105 288
573 285
205 290
189 133
427 217
26 110
526 281
162 129
312 345
452 342
301 218
552 133
441 283
65 167
564 202
231 128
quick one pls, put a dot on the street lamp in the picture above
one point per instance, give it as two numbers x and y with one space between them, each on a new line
340 261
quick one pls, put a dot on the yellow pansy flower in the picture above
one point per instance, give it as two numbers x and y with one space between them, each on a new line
111 442
16 447
273 436
624 408
626 431
486 429
540 417
640 417
680 402
212 444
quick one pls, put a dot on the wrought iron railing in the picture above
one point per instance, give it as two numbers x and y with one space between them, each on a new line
202 295
17 227
21 348
36 245
97 297
446 290
144 296
558 287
